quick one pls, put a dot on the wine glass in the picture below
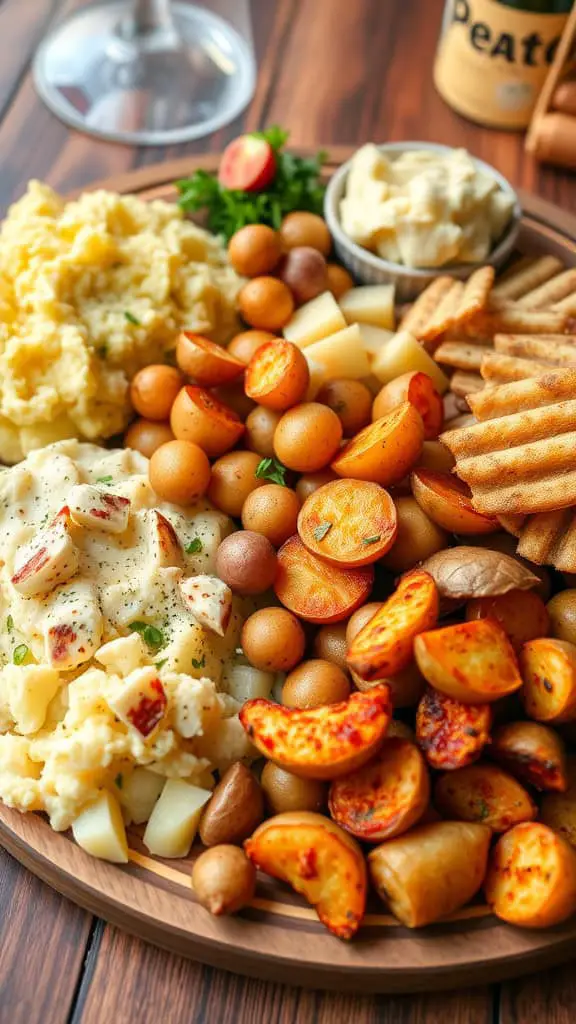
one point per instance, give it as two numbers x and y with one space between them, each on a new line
149 72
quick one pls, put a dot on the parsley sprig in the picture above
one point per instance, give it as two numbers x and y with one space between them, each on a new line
271 469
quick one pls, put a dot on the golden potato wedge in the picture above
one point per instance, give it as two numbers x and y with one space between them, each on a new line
451 734
385 645
431 871
549 670
323 742
484 793
385 797
319 860
531 879
531 752
472 661
558 810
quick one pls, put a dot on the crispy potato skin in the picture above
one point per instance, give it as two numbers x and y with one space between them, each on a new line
531 752
451 734
319 860
385 797
484 793
473 662
431 871
531 879
324 742
385 645
549 671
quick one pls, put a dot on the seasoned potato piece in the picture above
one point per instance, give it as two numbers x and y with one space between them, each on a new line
431 871
532 752
384 798
447 501
319 860
484 793
549 670
385 451
521 613
384 646
450 733
531 880
558 810
471 661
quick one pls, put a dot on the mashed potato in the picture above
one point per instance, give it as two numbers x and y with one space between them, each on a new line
90 291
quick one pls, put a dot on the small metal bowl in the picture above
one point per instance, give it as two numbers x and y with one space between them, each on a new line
369 268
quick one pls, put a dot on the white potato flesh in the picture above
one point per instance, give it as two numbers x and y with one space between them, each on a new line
99 830
315 320
373 338
163 547
97 509
404 354
174 820
341 355
28 690
139 700
246 683
123 655
209 600
139 793
369 304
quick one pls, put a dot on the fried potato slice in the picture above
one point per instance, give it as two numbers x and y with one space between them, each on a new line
532 753
451 734
316 591
497 368
446 500
531 879
324 742
549 670
463 384
551 291
473 661
319 860
384 451
483 793
385 797
348 522
461 355
385 645
425 305
431 871
521 613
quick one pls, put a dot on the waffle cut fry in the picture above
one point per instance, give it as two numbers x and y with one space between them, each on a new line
447 305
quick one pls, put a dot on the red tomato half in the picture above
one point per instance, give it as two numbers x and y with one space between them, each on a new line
248 164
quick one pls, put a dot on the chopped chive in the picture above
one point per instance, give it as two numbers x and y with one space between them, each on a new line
20 654
321 530
194 547
372 540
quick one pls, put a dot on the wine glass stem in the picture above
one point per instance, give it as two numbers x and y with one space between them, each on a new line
151 16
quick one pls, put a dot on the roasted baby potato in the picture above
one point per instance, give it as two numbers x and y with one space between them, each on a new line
451 734
531 880
472 661
466 572
484 793
521 613
558 810
531 752
324 742
385 797
385 645
446 500
385 451
549 670
320 861
431 871
235 808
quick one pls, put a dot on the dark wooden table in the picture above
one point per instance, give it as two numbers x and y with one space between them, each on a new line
341 71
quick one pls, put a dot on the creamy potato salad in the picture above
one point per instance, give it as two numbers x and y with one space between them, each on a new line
116 636
423 209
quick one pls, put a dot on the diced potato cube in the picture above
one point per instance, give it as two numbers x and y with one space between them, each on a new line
340 355
28 690
403 354
174 821
373 338
139 793
122 655
247 683
315 320
369 304
99 830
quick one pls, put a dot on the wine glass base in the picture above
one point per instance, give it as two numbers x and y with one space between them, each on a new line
154 90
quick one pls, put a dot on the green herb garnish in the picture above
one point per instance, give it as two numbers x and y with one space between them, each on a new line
371 540
296 186
10 624
194 547
119 781
199 664
104 480
159 664
20 654
131 318
322 529
271 469
151 636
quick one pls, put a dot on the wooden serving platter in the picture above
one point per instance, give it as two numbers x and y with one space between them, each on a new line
279 938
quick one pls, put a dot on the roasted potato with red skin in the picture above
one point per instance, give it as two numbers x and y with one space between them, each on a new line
549 670
418 389
446 500
431 871
324 742
521 613
472 661
451 734
483 793
532 753
558 810
385 645
531 879
319 860
385 797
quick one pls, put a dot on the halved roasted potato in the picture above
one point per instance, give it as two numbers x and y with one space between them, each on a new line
532 752
484 793
431 871
319 860
451 734
531 879
472 661
385 797
549 670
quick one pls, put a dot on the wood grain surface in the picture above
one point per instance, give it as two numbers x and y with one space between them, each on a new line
332 71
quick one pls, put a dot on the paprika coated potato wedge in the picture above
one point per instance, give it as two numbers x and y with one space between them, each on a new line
431 871
207 363
385 797
385 645
521 613
531 879
451 734
447 501
474 662
549 671
348 522
483 793
319 860
277 376
323 742
418 389
385 451
531 752
316 591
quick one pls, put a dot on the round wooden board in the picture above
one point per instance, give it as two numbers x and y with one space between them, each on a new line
279 938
